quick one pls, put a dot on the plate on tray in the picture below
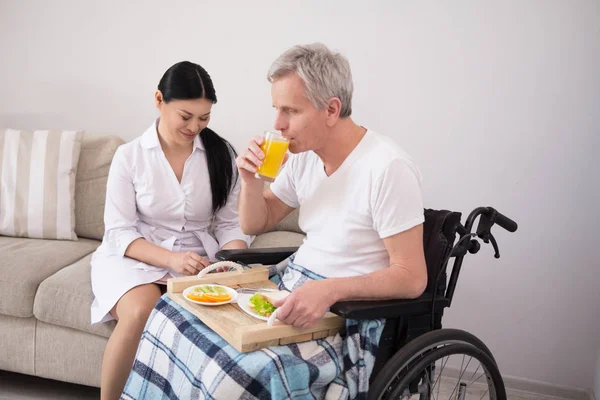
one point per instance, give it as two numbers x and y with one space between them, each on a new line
244 303
212 288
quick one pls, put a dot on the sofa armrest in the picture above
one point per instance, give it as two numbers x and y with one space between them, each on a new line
268 256
388 309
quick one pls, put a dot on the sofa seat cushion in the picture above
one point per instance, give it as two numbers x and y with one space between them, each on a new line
25 263
65 299
277 239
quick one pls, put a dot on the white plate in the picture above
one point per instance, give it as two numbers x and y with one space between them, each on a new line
244 303
230 291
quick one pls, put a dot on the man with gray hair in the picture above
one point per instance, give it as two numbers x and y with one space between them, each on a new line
360 195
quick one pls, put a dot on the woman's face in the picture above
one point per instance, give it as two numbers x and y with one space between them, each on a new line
182 120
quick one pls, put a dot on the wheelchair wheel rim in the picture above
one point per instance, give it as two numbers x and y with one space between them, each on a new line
455 376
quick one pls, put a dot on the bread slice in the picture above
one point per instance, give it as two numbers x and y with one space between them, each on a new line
272 297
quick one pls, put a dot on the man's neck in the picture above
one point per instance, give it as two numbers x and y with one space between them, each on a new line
341 141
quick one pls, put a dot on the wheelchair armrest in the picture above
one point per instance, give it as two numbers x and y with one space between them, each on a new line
388 309
268 256
369 309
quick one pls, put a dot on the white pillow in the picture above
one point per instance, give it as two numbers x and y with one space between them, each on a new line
37 183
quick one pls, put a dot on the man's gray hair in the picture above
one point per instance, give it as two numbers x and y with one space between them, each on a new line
325 74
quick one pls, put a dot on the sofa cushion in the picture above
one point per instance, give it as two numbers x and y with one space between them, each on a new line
17 345
90 185
289 223
278 239
37 190
25 263
68 355
65 299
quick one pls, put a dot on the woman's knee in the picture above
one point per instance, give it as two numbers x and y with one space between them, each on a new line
136 305
138 314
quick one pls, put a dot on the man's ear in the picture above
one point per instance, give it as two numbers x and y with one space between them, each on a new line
158 99
333 109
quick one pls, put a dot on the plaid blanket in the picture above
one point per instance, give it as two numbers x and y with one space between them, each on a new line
181 358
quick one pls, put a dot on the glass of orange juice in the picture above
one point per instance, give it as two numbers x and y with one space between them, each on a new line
274 146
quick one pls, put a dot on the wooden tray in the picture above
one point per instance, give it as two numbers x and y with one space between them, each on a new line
241 330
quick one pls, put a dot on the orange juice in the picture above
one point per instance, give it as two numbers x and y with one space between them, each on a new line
274 149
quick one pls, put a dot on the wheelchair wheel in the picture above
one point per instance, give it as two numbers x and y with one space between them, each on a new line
446 363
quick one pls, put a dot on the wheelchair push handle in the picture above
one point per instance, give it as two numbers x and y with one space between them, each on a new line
488 217
502 220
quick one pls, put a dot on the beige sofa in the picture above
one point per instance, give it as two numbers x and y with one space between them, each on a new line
45 291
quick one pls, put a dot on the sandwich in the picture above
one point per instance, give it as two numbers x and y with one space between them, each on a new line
262 302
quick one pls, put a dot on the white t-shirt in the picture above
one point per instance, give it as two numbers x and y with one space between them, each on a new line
374 194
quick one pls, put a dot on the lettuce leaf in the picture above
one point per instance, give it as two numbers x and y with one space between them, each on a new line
261 306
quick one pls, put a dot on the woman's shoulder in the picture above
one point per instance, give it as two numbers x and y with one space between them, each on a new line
130 147
127 153
148 139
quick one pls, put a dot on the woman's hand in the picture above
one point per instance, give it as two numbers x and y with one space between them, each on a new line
187 263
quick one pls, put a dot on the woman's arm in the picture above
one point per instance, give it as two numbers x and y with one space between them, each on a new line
234 244
120 221
120 211
149 253
185 263
227 225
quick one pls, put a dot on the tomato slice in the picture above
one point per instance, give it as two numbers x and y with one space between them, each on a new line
209 297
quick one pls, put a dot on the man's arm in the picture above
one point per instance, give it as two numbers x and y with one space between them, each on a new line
258 209
260 212
406 277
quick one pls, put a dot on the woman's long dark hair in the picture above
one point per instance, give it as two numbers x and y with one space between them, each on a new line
186 81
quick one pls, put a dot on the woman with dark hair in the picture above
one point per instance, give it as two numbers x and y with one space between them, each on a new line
171 204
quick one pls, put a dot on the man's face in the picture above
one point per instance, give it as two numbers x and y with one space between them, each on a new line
296 118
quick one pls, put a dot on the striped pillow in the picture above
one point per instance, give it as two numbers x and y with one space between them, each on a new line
37 183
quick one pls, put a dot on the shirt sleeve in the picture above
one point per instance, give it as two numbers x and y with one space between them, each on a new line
397 201
227 224
120 211
284 186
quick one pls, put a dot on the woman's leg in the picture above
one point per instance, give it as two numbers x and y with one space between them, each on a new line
131 312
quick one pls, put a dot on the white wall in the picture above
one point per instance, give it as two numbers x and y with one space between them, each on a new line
596 389
498 103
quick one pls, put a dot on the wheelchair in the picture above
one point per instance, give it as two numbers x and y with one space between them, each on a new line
415 355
